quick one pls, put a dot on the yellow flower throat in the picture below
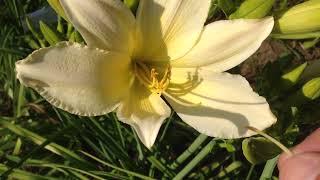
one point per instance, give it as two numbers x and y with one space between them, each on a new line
149 77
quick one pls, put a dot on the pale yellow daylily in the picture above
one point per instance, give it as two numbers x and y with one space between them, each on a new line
128 63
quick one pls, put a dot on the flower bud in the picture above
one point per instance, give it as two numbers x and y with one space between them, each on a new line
292 77
302 18
309 92
253 9
311 89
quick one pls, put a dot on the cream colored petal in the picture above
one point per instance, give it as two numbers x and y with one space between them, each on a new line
106 24
225 44
168 29
75 78
217 104
145 112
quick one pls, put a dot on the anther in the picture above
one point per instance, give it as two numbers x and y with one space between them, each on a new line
149 77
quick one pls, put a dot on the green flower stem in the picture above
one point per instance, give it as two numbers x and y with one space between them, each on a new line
196 160
308 35
191 149
268 168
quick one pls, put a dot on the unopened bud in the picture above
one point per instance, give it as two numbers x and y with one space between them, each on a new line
253 9
311 89
302 18
291 78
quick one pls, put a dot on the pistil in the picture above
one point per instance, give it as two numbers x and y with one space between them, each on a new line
149 77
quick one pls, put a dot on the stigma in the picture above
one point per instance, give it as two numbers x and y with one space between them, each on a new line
156 81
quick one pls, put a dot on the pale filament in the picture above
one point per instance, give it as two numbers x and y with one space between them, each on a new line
149 77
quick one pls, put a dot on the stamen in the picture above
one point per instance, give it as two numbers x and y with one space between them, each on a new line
281 146
166 75
149 78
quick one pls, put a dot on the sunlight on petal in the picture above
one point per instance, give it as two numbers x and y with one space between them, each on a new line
145 112
106 24
225 44
168 29
76 78
223 104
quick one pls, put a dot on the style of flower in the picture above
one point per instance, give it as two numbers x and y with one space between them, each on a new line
138 66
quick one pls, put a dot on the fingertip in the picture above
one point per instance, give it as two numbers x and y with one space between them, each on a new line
283 158
300 166
310 144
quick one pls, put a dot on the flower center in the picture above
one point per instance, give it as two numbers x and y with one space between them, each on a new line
156 79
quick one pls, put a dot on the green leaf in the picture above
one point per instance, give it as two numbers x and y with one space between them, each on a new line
312 71
196 160
117 168
76 37
53 147
259 149
228 146
232 167
311 43
269 168
49 34
35 33
31 42
227 6
309 92
55 4
20 174
160 166
213 9
253 9
17 147
291 78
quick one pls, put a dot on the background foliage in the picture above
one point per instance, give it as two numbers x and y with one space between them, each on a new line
38 141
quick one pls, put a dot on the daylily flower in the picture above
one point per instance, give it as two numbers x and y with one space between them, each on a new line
139 66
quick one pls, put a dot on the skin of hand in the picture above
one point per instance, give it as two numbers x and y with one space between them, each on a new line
304 164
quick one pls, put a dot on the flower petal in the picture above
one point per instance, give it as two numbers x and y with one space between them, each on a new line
225 44
145 112
105 24
217 104
168 29
76 78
